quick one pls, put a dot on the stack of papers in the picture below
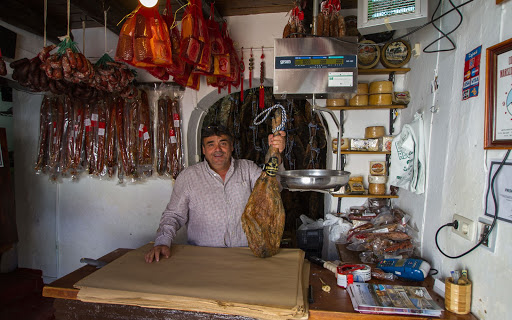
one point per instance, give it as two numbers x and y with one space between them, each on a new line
219 280
393 299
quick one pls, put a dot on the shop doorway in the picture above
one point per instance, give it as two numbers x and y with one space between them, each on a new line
306 145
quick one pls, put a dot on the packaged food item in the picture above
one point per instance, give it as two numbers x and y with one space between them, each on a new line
374 132
374 144
377 188
356 179
357 209
381 87
401 97
336 103
359 100
381 99
368 54
359 144
356 187
377 203
386 143
345 144
378 168
395 54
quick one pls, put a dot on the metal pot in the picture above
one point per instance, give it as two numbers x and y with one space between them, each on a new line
313 178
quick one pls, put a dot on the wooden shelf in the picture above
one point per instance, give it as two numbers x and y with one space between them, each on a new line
383 71
363 152
363 196
391 106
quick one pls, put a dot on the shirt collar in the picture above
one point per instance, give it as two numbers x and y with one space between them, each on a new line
215 174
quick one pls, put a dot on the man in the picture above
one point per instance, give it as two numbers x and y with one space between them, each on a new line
210 196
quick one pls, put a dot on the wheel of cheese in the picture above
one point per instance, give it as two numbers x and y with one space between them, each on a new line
381 87
336 102
368 54
395 54
362 88
374 132
359 100
380 99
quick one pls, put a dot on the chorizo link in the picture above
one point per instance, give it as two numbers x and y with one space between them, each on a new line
44 129
177 131
161 162
111 135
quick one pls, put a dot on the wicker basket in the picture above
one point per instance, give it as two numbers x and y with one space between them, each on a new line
457 297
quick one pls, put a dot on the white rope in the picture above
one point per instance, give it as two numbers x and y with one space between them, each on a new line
266 112
83 37
69 15
105 17
45 14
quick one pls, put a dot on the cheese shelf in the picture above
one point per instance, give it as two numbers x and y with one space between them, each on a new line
387 196
363 152
391 106
384 71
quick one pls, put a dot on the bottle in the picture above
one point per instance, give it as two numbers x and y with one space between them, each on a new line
463 280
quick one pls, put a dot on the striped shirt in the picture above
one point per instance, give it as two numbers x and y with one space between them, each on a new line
211 208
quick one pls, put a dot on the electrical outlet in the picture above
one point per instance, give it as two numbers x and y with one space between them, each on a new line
465 228
484 225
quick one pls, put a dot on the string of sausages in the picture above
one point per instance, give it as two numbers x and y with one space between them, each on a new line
113 135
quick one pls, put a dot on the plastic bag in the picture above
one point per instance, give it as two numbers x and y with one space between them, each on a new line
178 65
310 224
191 47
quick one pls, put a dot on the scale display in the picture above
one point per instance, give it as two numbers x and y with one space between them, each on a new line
316 62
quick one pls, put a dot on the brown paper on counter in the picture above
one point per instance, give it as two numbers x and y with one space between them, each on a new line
204 279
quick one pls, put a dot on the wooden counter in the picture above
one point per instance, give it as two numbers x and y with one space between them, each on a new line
326 306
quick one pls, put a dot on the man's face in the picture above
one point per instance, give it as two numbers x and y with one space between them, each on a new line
217 151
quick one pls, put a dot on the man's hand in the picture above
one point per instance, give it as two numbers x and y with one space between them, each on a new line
278 141
156 252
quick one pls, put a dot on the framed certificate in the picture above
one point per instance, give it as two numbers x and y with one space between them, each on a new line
502 192
498 97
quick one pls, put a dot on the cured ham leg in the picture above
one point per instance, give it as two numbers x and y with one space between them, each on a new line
264 217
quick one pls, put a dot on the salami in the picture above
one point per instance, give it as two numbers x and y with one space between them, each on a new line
111 136
121 141
145 135
100 138
172 161
161 147
44 131
78 136
57 129
176 118
89 143
133 136
67 134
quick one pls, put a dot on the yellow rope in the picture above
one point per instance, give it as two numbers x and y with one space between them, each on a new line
174 24
129 15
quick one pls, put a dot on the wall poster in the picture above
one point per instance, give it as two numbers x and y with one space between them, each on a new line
502 192
498 97
471 74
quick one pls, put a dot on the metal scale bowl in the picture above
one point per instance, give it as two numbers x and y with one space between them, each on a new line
313 178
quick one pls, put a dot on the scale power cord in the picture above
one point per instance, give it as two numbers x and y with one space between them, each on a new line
455 223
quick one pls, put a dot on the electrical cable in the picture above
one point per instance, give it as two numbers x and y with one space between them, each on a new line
445 35
432 20
486 236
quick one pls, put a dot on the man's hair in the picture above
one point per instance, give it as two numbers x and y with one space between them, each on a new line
215 130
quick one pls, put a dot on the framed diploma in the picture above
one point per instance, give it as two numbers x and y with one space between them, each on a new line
498 97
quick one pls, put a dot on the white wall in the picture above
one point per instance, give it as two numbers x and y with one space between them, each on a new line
59 224
457 167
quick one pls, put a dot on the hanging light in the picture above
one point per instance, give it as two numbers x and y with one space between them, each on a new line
148 3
